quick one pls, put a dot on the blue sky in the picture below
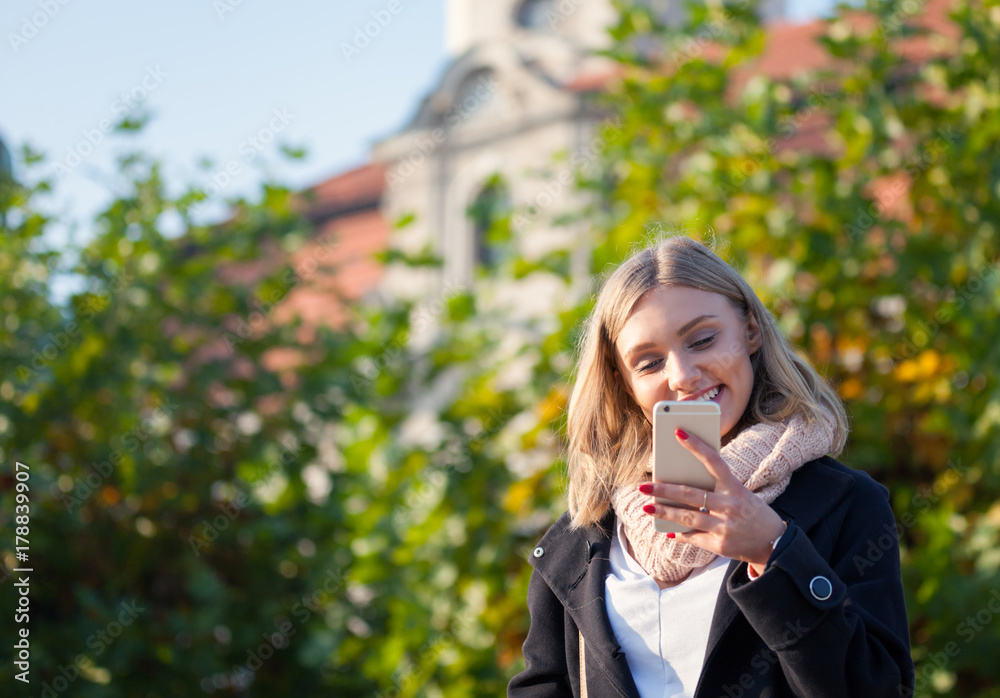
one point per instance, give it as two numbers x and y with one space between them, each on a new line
215 74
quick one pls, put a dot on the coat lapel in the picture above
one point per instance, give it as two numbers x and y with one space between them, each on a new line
726 611
575 568
576 574
812 493
588 608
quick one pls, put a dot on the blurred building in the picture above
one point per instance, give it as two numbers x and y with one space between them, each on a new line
486 133
483 140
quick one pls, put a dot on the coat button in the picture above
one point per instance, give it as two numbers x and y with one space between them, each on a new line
821 588
538 552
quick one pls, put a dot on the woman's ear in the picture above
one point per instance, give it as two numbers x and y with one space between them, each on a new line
754 337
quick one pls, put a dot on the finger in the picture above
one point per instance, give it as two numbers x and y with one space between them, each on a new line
684 517
703 540
713 462
683 494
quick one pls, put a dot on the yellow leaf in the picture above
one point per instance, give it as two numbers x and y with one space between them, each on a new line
929 360
554 403
851 389
922 367
907 370
30 403
517 495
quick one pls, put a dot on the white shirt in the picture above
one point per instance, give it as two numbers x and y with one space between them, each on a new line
663 632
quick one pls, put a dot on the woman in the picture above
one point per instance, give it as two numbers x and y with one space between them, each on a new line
774 592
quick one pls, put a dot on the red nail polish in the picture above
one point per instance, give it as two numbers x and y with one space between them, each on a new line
671 535
646 488
681 434
649 509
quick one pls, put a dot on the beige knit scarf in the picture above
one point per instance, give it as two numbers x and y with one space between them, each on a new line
762 456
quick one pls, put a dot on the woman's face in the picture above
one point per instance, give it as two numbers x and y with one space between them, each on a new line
681 343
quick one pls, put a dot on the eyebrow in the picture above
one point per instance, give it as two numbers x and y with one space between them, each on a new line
687 326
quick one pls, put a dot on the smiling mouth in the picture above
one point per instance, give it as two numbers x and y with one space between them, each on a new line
710 394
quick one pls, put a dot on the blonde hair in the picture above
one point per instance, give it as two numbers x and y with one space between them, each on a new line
609 436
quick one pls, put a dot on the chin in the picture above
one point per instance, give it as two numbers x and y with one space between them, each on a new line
732 431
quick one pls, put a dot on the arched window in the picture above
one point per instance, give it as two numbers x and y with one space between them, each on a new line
490 216
535 14
478 99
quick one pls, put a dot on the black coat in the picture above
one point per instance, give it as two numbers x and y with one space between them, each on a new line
826 618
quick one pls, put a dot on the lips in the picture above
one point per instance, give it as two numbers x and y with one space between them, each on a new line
708 394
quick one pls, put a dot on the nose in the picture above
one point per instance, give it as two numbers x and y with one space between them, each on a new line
683 374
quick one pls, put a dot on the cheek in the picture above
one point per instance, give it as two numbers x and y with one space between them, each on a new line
733 357
737 372
644 393
747 375
743 379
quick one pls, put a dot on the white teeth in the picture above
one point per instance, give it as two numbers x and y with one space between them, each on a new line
709 394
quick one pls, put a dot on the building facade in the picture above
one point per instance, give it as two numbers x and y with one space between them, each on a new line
503 130
484 140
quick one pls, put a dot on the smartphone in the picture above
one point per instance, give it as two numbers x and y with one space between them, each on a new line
671 461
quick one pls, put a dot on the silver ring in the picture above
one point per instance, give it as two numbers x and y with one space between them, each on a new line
704 504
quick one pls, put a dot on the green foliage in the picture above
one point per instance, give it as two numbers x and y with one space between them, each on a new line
861 202
271 529
158 479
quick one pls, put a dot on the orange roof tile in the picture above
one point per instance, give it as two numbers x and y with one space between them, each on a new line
349 191
793 47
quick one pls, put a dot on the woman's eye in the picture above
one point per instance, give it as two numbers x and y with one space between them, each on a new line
701 343
648 366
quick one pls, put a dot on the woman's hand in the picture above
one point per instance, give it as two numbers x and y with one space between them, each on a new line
738 524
